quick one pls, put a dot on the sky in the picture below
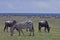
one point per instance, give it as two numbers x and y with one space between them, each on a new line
29 6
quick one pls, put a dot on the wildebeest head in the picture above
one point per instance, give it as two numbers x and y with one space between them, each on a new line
48 29
14 21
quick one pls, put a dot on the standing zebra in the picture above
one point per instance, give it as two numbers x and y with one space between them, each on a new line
23 25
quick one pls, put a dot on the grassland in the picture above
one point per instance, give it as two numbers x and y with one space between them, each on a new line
54 34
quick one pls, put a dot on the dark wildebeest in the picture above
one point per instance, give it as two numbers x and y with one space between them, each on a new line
43 24
23 25
9 24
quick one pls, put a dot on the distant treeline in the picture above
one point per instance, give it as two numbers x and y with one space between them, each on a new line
30 14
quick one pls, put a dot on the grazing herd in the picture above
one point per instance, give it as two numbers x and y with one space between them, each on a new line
28 25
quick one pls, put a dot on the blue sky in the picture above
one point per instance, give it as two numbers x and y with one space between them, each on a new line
29 6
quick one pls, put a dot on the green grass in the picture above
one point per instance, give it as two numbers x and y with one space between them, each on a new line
54 34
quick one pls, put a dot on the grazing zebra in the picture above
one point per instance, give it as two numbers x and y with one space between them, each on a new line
23 25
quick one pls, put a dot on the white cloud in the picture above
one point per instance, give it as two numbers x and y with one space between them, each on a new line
48 6
10 6
31 6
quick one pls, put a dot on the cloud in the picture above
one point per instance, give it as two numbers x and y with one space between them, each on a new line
35 6
10 6
49 6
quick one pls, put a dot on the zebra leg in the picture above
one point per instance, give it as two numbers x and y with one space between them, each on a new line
19 33
30 34
22 32
33 33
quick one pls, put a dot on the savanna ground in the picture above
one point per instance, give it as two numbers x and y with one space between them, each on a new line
54 34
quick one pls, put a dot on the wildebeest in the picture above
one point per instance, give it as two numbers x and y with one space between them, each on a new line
23 25
43 24
9 24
